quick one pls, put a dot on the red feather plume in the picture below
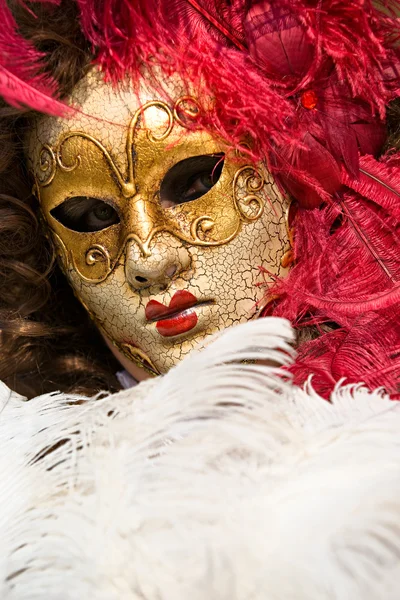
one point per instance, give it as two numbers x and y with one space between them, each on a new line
206 10
379 180
251 56
367 352
348 275
21 83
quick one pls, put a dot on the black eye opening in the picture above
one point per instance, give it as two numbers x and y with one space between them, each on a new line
190 179
85 214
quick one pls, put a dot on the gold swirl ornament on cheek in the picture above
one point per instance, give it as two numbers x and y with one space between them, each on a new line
81 163
140 358
246 193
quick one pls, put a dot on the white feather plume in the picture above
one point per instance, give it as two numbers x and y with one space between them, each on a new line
219 481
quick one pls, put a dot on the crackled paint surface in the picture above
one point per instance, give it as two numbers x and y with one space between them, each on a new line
225 276
228 275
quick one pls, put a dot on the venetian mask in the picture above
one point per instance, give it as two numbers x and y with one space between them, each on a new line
160 231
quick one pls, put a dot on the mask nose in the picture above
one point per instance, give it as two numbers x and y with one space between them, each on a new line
167 260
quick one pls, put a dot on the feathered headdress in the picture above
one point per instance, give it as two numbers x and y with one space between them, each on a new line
307 80
304 86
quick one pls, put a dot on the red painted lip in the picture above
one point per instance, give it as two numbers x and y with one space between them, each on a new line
180 301
176 318
181 323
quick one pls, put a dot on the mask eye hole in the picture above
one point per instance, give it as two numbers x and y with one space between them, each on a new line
190 179
85 214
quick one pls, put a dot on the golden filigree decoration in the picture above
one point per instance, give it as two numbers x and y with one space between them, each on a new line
191 109
95 255
64 167
202 225
153 138
144 245
97 263
62 252
288 258
47 165
127 184
140 358
245 193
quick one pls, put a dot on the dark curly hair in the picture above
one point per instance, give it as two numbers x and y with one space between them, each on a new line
47 341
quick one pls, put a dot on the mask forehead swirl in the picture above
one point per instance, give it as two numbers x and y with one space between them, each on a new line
182 210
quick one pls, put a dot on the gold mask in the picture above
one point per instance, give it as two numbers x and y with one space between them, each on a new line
159 233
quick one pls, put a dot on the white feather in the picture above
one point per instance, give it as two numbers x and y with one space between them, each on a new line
220 480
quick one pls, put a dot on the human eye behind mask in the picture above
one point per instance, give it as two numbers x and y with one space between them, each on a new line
186 181
190 179
85 214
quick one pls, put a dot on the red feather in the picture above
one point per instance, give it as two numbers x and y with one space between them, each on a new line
340 270
217 24
250 56
23 94
21 83
338 280
356 306
378 180
368 352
